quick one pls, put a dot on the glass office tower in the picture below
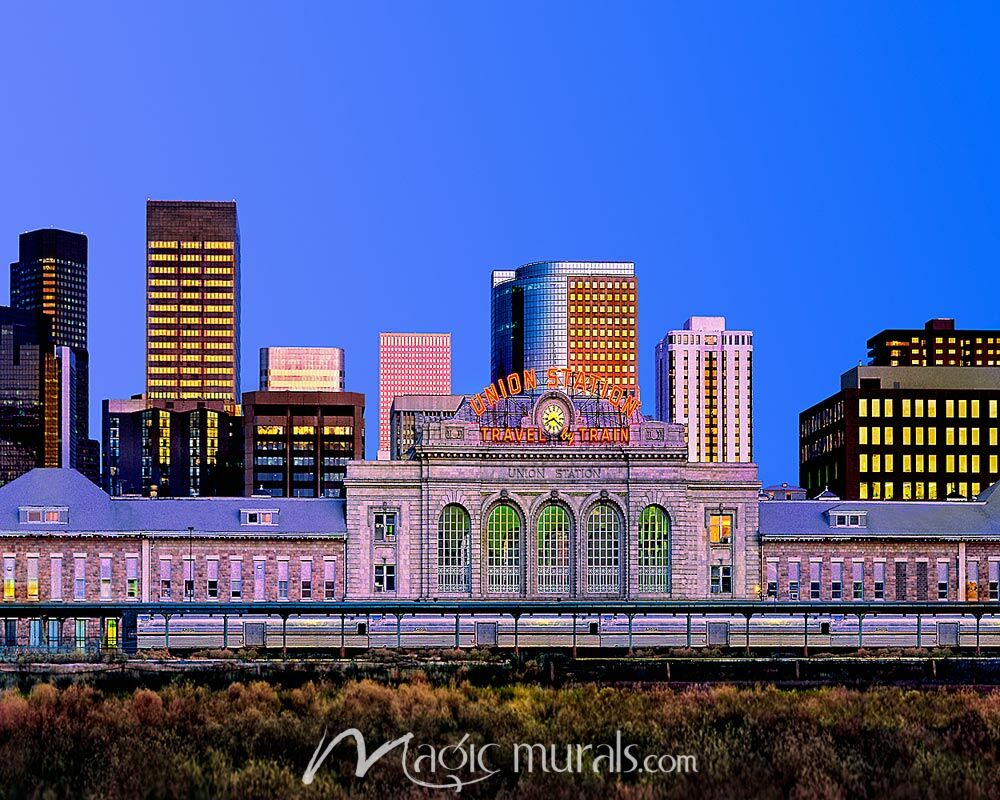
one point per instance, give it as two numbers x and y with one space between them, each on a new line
302 369
174 448
576 314
29 394
50 278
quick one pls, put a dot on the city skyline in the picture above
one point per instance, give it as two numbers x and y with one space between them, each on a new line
242 379
673 405
769 202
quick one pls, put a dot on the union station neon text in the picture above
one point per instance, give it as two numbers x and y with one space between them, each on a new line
555 378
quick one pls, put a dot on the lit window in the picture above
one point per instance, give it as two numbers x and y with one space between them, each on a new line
269 517
720 528
8 578
132 577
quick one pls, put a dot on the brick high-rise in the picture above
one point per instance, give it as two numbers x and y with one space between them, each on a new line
409 363
297 444
192 301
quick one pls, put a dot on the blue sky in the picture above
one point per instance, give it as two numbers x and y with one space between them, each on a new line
816 172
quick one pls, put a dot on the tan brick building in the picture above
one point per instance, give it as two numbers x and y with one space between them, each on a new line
831 549
64 540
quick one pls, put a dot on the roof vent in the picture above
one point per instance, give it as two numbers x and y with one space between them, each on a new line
826 494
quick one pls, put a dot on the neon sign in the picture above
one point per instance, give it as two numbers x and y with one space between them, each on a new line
555 378
490 435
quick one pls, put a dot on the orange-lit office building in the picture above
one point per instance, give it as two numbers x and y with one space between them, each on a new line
192 301
579 315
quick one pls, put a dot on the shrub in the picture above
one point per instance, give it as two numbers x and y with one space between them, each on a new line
254 739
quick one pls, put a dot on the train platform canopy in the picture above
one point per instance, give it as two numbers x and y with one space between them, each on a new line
64 501
828 518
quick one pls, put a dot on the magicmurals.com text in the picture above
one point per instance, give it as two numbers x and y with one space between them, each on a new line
463 763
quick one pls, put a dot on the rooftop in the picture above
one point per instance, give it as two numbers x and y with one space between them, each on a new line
91 510
924 378
884 518
427 402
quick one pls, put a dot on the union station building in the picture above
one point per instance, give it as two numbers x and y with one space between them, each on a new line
544 496
537 496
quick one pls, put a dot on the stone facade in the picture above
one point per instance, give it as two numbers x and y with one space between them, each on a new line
457 462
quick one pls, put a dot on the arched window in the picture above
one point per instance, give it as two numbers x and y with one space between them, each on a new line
453 549
503 550
553 550
603 531
654 550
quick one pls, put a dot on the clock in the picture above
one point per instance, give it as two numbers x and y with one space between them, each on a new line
553 418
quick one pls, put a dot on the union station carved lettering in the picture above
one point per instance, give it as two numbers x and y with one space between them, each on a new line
559 473
577 473
526 472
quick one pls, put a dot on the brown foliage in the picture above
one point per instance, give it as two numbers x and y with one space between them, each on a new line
255 739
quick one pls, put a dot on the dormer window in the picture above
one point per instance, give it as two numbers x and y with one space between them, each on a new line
260 517
44 516
849 519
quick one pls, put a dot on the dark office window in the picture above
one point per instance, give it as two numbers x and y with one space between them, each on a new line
901 581
921 580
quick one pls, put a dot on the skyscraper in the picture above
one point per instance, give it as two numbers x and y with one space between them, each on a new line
576 314
29 394
302 369
409 363
192 301
50 278
704 379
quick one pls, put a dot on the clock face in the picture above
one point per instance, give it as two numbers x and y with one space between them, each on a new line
553 418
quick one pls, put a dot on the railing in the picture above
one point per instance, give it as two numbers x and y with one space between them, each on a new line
653 579
89 646
602 579
504 580
553 580
453 579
